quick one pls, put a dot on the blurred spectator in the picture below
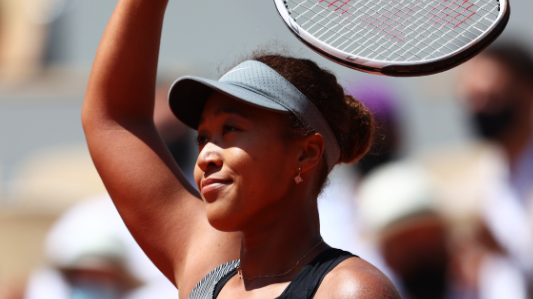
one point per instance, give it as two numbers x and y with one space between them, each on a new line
23 35
498 93
92 255
400 214
487 186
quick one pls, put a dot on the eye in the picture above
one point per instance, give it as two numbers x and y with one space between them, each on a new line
201 140
228 129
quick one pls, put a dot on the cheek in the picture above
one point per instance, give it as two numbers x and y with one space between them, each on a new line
263 170
261 178
198 173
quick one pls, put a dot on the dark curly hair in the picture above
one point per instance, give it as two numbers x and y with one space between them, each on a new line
349 120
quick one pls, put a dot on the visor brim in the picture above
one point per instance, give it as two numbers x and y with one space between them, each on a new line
188 95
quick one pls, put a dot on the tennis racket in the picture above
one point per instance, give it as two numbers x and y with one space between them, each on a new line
396 37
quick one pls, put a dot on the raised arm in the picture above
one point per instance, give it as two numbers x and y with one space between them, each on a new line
161 209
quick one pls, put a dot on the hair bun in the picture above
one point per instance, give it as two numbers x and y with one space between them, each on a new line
355 142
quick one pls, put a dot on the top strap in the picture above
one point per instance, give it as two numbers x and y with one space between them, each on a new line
307 282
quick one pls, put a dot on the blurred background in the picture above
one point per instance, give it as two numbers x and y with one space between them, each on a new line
443 204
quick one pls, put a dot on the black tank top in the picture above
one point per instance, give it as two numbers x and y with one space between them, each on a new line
306 283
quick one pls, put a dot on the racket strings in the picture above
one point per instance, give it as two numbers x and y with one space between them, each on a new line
474 25
363 35
391 32
389 25
395 30
404 20
366 36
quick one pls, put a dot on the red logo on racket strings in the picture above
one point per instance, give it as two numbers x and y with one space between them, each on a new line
393 22
338 5
446 15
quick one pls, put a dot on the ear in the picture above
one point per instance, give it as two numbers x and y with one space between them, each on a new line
312 149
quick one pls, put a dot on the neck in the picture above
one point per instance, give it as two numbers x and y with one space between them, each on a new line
288 242
517 138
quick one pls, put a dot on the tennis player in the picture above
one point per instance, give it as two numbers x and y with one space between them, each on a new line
269 132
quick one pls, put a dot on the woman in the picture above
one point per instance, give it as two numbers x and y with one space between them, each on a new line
269 131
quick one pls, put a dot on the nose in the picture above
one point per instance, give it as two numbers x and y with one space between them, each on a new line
210 157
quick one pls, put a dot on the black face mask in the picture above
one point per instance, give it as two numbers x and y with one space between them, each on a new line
492 125
426 282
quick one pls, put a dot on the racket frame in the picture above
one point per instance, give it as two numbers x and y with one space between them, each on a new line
399 69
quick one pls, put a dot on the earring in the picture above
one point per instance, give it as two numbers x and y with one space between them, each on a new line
298 179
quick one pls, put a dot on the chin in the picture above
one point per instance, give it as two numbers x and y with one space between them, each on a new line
223 217
224 224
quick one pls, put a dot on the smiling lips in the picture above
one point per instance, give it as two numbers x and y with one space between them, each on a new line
213 184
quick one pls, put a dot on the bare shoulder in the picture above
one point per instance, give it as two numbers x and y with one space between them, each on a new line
356 278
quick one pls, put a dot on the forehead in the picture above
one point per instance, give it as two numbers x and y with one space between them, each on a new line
485 67
220 104
484 73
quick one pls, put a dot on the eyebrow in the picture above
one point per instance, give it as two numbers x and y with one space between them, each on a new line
226 110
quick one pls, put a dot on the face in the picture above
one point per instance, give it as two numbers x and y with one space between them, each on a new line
491 94
485 84
245 167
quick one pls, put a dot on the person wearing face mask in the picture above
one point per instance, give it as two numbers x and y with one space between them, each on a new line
487 184
91 255
90 264
498 94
